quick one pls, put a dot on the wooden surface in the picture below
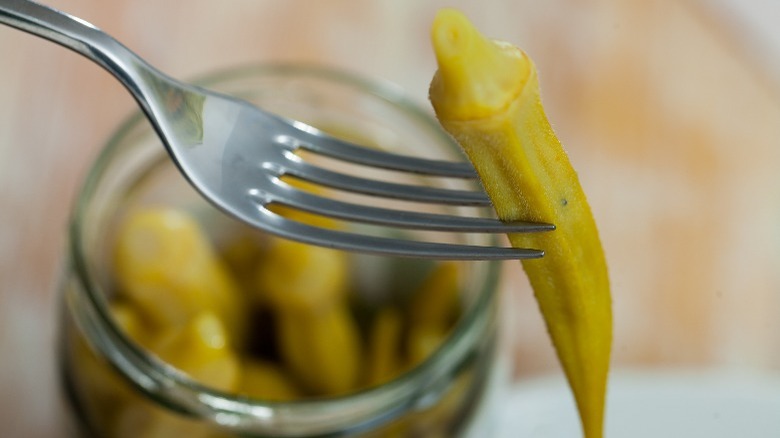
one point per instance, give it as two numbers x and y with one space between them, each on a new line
668 111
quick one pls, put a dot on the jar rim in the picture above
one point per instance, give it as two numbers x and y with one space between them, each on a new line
181 392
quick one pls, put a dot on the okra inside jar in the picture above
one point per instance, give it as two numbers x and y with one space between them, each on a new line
182 320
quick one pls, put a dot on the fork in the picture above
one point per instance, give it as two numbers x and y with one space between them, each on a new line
235 155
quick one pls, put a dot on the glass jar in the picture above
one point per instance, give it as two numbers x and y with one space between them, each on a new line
105 371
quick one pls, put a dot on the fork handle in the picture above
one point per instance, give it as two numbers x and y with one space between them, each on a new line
81 37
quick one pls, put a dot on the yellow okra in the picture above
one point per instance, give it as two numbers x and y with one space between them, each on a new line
486 95
169 270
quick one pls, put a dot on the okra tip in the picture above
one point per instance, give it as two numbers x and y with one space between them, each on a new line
476 76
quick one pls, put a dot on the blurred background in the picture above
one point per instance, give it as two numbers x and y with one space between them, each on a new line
669 109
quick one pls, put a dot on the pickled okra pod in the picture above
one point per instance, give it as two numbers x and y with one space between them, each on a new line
486 95
166 266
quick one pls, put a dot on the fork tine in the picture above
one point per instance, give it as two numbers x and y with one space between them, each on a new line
293 230
409 192
291 197
324 144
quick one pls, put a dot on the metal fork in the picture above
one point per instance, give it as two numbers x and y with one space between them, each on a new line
235 154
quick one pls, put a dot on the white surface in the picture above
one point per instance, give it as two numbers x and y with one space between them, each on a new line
652 405
761 17
756 26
